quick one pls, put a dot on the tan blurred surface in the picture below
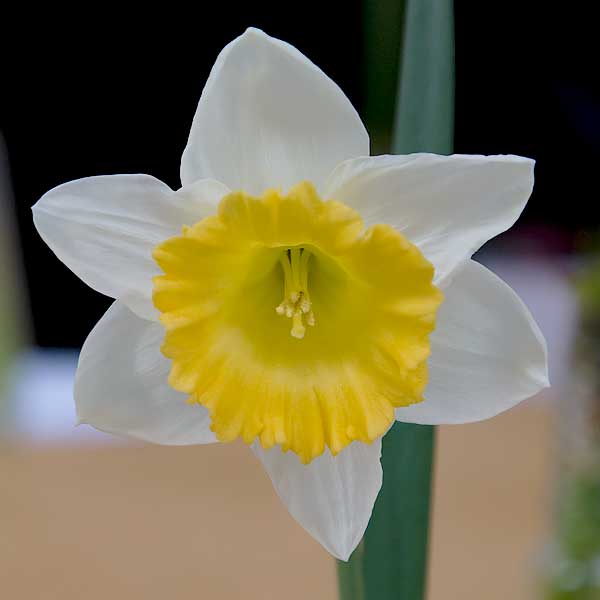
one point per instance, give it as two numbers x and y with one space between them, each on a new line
203 522
492 506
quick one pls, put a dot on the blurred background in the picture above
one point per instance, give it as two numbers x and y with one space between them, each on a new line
103 90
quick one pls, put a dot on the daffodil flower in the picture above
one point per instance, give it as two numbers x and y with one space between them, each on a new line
296 292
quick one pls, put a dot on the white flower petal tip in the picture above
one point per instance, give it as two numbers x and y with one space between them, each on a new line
121 388
487 353
448 206
331 497
268 117
104 229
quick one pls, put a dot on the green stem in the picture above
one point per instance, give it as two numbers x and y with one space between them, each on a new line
391 561
425 96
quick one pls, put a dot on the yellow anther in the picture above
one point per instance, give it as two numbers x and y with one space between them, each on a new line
305 305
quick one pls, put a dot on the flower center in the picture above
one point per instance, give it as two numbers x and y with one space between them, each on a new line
296 304
229 285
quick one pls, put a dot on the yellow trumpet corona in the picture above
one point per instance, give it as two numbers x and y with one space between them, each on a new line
361 304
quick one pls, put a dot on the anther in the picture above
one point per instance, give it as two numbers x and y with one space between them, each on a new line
305 305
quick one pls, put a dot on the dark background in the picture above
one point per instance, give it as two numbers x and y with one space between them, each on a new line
104 91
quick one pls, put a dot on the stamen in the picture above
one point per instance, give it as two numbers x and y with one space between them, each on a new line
295 261
296 304
304 269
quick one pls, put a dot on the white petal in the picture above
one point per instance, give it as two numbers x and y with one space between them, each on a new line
121 384
268 117
447 205
487 353
104 229
332 497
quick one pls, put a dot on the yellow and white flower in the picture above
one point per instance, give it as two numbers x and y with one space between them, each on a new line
296 292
